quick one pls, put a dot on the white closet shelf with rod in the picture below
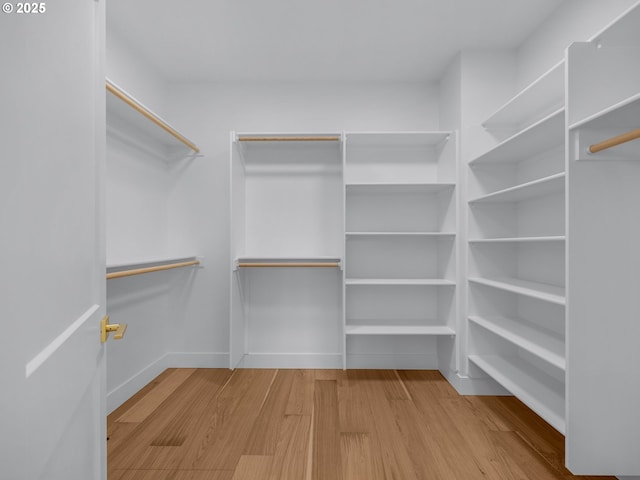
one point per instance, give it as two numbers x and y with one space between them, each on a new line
128 269
621 117
293 137
133 112
287 262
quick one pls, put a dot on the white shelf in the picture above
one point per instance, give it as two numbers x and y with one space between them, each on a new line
541 392
400 281
127 109
558 238
541 291
399 187
278 137
284 261
395 139
623 114
398 330
541 96
537 188
114 265
525 335
537 138
400 234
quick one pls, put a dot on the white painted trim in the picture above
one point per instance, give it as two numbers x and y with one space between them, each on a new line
128 388
50 349
465 385
291 360
420 361
197 360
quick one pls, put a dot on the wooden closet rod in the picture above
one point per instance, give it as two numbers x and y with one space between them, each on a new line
289 264
613 141
150 115
328 138
158 268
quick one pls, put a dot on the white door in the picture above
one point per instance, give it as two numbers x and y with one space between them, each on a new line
52 268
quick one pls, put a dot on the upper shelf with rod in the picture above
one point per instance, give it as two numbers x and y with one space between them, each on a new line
127 109
139 267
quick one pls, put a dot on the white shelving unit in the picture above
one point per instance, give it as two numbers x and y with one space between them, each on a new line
517 240
603 329
287 249
400 248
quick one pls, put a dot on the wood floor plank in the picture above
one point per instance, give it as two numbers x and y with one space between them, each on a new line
180 410
541 436
152 400
253 467
425 450
300 400
480 447
354 415
522 461
326 461
171 475
292 449
266 430
388 440
357 459
222 433
452 451
325 425
483 407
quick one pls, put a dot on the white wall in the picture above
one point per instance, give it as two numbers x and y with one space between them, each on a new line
137 184
574 21
199 202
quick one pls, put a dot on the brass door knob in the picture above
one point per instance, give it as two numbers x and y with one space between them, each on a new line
106 328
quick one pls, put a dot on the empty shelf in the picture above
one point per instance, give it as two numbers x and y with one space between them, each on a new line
545 93
551 238
399 330
395 139
525 335
537 138
400 234
400 281
541 392
541 291
537 188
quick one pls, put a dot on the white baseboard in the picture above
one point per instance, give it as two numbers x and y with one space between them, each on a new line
197 360
127 389
291 360
393 361
474 386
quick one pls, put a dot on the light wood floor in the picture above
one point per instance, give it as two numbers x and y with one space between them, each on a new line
215 424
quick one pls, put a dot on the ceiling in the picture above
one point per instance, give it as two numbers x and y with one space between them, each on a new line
328 40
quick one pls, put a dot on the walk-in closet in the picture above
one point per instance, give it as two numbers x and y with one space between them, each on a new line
344 240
